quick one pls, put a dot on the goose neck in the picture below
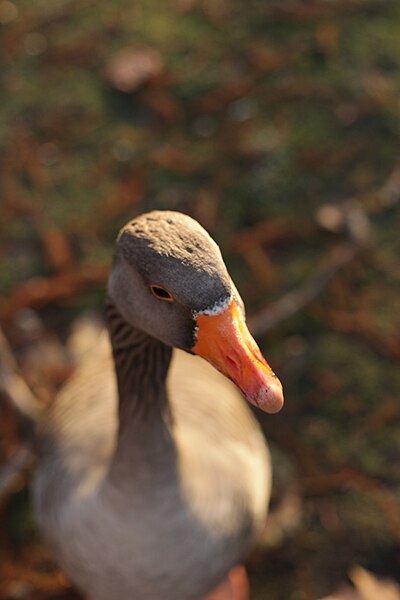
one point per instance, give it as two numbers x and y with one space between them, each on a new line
144 416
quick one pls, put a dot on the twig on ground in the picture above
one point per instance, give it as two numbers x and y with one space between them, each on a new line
292 302
18 394
272 231
362 324
14 387
322 484
40 291
367 586
32 578
357 224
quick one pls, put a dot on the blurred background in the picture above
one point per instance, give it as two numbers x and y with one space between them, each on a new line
277 125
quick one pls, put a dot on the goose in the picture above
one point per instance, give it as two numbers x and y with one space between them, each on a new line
154 476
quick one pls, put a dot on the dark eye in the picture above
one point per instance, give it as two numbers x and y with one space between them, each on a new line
161 293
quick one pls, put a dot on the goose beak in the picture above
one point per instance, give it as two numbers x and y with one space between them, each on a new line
224 340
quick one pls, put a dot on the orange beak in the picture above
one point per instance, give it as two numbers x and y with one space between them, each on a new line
224 340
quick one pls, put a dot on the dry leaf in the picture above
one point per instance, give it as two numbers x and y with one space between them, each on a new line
131 68
367 587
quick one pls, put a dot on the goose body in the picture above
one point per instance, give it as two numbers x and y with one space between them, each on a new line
154 477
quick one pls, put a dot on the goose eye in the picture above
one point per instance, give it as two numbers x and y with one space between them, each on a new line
161 293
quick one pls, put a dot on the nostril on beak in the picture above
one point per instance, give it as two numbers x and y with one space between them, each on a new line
233 365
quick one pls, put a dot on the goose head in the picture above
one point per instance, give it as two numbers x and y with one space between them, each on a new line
170 281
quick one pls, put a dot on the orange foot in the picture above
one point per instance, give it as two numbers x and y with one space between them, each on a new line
235 586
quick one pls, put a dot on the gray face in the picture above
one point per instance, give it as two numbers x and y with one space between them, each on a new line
174 252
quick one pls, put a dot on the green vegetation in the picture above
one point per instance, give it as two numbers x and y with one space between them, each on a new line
242 114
